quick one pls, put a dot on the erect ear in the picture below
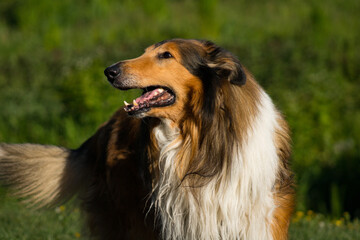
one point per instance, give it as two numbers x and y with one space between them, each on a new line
225 64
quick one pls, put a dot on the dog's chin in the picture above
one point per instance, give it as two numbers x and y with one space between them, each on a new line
141 114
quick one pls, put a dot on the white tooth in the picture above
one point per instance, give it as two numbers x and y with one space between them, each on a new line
160 90
126 104
135 103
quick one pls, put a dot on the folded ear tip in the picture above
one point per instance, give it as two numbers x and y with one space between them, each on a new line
239 79
238 82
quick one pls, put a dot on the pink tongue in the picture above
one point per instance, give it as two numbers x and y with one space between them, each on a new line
147 96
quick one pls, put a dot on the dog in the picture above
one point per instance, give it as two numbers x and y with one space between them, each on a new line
201 154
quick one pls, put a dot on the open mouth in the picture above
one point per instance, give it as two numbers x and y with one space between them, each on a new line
154 96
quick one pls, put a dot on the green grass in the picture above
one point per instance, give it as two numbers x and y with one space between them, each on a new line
18 222
311 226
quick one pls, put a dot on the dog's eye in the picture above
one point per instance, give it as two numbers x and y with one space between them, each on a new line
165 55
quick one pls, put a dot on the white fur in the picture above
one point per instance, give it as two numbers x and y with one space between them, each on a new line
236 204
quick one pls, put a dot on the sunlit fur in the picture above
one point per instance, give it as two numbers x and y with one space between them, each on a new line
213 165
236 203
47 173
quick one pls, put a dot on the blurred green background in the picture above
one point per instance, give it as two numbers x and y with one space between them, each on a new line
305 53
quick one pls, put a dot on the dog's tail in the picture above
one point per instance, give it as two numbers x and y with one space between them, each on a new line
43 175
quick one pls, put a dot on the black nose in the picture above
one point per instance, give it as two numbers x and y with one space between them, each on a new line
112 72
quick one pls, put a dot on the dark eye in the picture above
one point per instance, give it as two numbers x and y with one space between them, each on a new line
165 55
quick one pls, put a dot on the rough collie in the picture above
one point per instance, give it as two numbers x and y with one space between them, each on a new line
201 154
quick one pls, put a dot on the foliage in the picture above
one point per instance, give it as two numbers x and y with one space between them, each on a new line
317 227
304 53
18 222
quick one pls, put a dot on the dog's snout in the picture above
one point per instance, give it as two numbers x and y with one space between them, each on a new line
112 72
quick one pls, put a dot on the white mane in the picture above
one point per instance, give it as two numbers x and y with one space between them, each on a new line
235 204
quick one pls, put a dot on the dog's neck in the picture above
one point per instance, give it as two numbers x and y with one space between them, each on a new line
165 132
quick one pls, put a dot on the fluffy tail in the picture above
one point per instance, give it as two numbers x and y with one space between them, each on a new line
43 175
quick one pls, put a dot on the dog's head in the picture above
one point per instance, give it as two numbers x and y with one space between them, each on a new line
176 73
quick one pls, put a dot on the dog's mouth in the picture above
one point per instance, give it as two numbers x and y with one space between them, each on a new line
152 97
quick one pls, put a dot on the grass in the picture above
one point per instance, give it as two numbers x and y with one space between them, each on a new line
311 226
18 222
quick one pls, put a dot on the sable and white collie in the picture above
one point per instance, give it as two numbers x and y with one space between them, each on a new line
201 154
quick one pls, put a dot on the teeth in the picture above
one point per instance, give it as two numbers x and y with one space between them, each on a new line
135 103
126 104
158 91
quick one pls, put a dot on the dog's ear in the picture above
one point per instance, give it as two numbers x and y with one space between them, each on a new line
225 64
229 68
